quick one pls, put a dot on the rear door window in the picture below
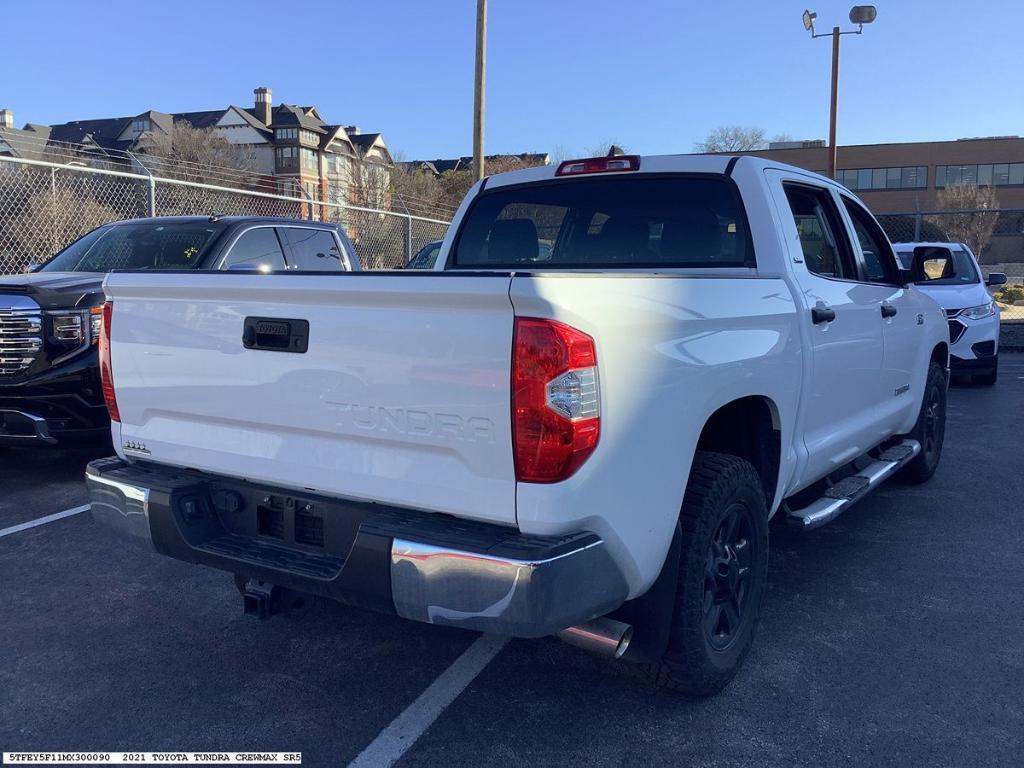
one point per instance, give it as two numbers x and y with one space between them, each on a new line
312 250
652 222
822 235
256 249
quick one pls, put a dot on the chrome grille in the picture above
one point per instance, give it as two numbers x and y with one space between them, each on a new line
21 339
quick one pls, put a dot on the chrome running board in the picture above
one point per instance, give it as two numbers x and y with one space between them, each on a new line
848 491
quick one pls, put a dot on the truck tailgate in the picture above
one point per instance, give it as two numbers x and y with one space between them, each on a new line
401 397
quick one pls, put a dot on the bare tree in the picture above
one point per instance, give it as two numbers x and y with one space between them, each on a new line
455 184
733 138
561 152
198 155
418 191
973 212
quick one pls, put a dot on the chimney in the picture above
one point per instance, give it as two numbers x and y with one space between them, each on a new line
6 118
352 130
263 104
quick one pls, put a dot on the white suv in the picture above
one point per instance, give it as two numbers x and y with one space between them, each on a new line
955 282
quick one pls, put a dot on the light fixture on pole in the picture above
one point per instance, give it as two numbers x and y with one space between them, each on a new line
859 15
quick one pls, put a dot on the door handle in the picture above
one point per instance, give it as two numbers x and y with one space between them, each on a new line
822 314
888 310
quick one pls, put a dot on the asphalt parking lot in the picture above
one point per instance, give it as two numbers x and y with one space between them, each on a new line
894 636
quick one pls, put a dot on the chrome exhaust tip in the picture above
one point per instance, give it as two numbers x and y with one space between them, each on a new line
603 636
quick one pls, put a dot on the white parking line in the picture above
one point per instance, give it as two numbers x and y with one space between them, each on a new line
42 520
395 740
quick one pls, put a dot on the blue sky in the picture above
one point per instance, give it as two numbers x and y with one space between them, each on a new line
654 75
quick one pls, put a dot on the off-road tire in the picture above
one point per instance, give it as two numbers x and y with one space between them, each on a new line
930 428
718 485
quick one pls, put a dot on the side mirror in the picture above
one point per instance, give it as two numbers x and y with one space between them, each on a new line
931 262
995 278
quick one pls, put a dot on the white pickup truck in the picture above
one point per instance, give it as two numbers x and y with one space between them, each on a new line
579 423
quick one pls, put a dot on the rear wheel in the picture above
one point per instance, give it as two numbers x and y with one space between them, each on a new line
930 429
722 574
989 378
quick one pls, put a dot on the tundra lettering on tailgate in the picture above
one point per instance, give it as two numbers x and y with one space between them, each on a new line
404 421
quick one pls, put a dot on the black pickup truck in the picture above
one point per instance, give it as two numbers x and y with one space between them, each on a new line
50 318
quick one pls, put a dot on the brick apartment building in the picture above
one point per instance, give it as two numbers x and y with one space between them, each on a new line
284 145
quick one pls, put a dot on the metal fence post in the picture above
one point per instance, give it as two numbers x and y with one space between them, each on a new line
151 190
53 209
917 227
408 239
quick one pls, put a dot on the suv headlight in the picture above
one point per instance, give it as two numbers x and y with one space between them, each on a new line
979 312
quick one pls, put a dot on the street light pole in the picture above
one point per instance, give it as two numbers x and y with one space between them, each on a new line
859 15
478 89
834 107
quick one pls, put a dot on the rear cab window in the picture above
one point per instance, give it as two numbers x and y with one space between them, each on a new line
653 221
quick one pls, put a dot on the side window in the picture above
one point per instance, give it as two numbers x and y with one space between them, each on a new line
822 236
256 249
878 260
312 250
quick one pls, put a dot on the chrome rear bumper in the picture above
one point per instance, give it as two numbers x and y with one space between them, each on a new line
422 566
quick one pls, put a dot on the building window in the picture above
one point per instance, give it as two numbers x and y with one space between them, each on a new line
287 157
984 175
309 159
309 137
141 125
336 163
281 134
866 179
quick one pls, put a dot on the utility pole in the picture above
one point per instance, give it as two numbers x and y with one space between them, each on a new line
834 109
478 89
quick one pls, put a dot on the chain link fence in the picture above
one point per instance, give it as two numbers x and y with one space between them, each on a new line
45 206
996 237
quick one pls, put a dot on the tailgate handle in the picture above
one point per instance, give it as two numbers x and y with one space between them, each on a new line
276 334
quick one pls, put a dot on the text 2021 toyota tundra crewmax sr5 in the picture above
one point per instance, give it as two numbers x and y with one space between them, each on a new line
578 423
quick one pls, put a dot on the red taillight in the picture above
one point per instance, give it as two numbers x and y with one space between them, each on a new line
612 164
556 416
106 372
